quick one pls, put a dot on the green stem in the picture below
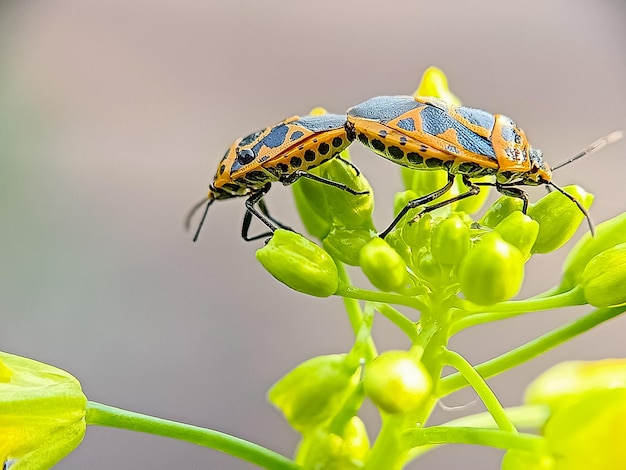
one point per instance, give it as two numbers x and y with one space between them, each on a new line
355 314
472 315
398 319
468 435
533 348
346 290
478 383
526 416
104 415
388 452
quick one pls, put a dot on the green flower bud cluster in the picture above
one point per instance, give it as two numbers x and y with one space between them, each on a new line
458 270
319 398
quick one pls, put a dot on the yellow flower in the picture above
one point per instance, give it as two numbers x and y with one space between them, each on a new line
42 413
435 83
587 424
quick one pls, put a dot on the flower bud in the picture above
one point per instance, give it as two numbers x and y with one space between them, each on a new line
383 266
472 204
344 244
590 433
427 182
500 210
587 425
314 391
520 231
348 210
564 383
604 278
435 83
608 234
395 241
451 241
325 450
558 217
312 206
397 382
401 199
419 234
42 413
492 271
299 263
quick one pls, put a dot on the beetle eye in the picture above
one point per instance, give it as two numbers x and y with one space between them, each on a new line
245 156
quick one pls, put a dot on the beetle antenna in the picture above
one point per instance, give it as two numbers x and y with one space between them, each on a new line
597 145
582 208
192 212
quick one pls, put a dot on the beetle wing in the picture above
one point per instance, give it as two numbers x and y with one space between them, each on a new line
427 127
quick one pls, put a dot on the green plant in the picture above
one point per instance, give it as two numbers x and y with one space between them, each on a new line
450 272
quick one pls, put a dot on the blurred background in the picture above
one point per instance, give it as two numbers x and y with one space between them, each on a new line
113 116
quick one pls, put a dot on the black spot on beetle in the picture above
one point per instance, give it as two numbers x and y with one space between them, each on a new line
415 158
337 142
434 163
282 167
378 145
363 139
309 155
295 162
396 152
324 148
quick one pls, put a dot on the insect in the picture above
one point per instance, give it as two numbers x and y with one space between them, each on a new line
280 153
426 133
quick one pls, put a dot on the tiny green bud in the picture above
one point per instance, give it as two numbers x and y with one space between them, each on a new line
312 206
329 451
299 263
383 266
604 278
397 382
519 230
492 271
558 217
401 199
419 233
345 244
472 204
500 210
314 391
348 210
608 234
451 241
426 182
396 242
42 413
427 267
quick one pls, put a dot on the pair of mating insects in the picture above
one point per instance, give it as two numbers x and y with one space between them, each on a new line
420 133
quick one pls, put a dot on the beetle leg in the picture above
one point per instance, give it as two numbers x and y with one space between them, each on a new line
514 192
254 199
296 175
472 190
350 164
416 203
